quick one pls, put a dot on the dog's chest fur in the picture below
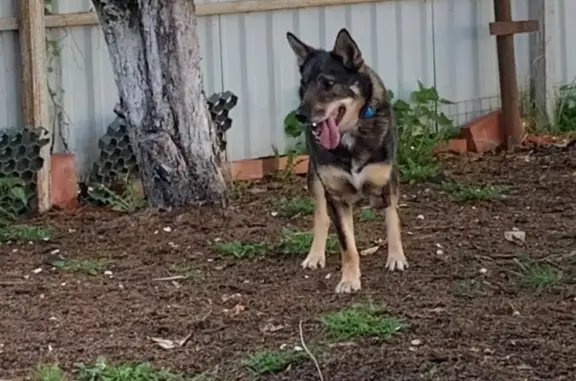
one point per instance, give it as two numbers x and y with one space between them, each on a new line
359 173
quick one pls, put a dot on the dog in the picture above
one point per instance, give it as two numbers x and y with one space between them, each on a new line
351 136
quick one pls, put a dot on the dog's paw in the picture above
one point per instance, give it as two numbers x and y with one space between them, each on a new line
396 262
314 261
347 286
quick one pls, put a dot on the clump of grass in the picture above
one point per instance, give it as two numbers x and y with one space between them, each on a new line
294 242
241 250
187 271
362 320
368 214
85 266
266 362
126 200
101 370
539 276
24 233
295 206
49 372
467 192
467 289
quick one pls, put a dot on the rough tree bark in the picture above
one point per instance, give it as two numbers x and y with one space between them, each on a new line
155 57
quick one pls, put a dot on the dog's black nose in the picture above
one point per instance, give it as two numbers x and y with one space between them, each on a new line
302 116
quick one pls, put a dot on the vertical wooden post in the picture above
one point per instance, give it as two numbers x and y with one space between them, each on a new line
34 87
508 82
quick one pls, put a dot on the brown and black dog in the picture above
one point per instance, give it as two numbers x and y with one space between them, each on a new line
351 139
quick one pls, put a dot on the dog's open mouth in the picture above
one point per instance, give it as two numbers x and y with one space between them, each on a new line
327 131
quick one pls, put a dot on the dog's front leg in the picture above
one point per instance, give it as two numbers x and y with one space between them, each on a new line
342 217
317 254
396 258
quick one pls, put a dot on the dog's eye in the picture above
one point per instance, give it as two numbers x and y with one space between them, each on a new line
327 83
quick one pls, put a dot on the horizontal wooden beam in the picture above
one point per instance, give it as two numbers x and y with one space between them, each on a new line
503 28
207 9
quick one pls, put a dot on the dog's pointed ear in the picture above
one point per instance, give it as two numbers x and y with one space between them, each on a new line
346 47
300 49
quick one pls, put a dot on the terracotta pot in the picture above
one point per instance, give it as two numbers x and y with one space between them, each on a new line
63 181
299 164
484 133
452 145
250 169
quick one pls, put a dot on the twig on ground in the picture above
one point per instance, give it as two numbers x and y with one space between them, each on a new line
308 351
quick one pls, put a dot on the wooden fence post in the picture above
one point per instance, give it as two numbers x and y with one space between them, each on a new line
34 87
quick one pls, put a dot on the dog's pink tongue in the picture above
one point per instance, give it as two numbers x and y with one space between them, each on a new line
329 134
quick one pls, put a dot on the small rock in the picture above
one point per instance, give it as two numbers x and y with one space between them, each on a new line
283 346
420 217
416 342
328 276
37 271
273 214
108 273
483 271
439 252
298 348
63 284
55 251
167 229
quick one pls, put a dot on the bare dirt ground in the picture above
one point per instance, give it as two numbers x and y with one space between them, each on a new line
476 306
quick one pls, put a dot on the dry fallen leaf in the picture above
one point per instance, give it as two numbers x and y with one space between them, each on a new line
369 251
270 327
171 344
517 237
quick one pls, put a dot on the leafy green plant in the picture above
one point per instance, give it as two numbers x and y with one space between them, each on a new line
421 125
13 199
128 201
294 129
565 110
291 163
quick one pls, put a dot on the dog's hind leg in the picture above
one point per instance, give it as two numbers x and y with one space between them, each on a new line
396 258
317 254
342 218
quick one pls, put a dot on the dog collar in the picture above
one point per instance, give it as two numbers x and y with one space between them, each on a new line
367 112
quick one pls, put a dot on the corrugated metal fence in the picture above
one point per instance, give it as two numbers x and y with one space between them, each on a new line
445 43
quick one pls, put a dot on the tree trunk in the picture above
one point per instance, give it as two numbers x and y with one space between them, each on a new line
155 57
